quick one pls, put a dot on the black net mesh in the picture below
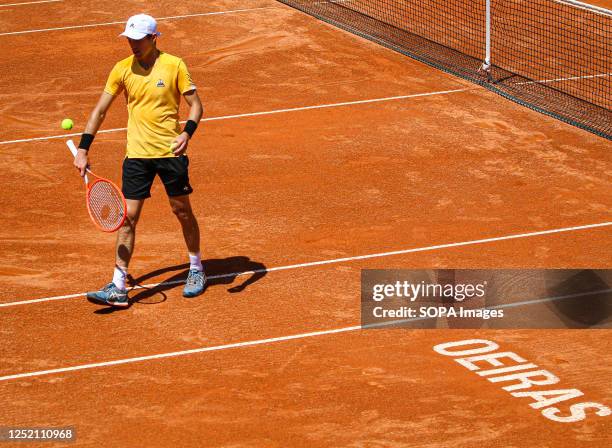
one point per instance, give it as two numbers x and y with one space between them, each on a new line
551 55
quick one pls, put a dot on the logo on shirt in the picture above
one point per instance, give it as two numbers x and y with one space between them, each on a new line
160 83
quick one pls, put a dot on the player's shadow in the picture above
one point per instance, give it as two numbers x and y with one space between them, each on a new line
222 271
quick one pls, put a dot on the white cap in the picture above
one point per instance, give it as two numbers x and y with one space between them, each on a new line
139 26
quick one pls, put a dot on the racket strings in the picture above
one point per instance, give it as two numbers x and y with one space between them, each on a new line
106 205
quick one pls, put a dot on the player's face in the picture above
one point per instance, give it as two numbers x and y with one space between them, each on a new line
142 48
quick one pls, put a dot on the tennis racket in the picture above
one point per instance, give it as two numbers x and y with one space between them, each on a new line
105 202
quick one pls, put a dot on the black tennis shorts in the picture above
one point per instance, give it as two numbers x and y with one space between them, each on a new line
138 176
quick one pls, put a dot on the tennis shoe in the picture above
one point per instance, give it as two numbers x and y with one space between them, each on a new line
194 285
109 295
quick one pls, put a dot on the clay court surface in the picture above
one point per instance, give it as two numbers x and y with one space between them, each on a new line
294 164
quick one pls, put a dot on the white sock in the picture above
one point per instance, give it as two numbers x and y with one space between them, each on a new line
195 262
119 277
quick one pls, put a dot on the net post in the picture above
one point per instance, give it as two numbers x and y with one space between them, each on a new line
486 65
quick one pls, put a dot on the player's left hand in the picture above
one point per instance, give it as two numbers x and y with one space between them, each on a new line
179 145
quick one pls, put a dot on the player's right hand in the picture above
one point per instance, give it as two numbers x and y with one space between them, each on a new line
81 161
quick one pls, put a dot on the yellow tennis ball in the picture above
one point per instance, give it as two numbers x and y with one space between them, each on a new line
67 123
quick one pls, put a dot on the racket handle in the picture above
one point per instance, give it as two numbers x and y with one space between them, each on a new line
73 149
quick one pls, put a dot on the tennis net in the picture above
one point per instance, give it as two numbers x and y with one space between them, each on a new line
554 56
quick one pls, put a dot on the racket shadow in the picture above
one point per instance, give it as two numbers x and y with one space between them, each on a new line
222 271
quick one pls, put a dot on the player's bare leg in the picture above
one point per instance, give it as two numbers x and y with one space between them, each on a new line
115 293
181 207
126 234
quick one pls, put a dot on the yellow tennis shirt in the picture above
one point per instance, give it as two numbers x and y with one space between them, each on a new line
153 98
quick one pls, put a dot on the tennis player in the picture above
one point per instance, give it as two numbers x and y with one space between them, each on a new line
152 82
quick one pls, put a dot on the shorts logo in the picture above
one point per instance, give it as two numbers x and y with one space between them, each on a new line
160 83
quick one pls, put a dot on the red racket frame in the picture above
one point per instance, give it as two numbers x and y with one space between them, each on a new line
73 150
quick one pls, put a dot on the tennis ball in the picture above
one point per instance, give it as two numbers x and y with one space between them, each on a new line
67 123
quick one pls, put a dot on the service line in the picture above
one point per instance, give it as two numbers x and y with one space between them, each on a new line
257 114
30 3
342 260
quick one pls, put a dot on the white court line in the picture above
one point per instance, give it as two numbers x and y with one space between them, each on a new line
345 259
545 81
31 3
256 114
297 109
264 341
92 25
496 307
181 353
547 299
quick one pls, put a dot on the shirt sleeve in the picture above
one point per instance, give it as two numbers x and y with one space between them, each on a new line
114 84
185 83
